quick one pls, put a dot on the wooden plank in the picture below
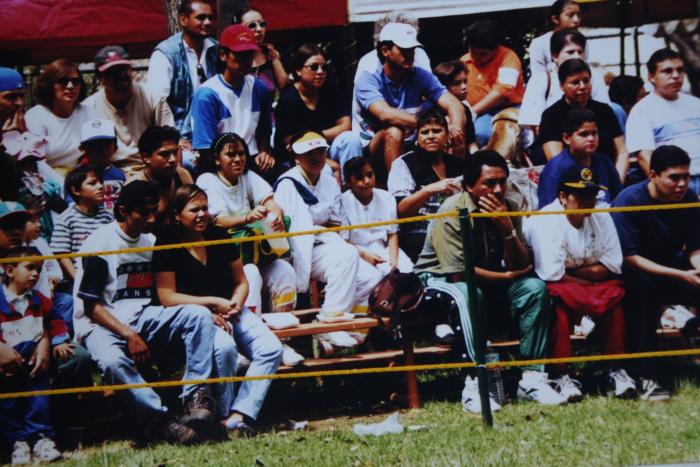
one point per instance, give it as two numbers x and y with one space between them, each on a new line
307 329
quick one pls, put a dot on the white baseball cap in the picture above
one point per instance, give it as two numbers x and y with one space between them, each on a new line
401 34
310 140
96 129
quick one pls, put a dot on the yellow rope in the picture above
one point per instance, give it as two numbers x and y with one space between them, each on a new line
354 372
656 207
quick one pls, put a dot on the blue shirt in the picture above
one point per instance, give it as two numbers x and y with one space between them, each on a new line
218 107
418 88
603 170
665 237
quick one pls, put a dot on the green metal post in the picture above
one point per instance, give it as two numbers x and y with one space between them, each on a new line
477 318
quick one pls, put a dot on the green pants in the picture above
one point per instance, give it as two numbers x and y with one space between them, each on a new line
74 372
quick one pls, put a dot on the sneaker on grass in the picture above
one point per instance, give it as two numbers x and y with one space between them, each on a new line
535 386
291 357
650 390
569 388
45 451
21 453
621 384
471 402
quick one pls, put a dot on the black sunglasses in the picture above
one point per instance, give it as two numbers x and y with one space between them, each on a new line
65 80
259 24
317 66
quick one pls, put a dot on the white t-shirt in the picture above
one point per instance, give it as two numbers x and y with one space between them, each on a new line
160 70
62 134
326 190
655 121
534 103
381 208
234 200
557 245
50 270
122 283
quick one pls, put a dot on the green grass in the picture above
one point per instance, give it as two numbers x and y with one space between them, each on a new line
597 431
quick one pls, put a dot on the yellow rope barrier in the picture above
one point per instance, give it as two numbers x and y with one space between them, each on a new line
355 372
654 207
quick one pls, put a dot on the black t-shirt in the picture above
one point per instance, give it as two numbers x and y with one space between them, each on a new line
9 177
608 126
469 131
293 116
192 277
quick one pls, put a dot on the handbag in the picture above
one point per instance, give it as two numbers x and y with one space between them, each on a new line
258 252
396 294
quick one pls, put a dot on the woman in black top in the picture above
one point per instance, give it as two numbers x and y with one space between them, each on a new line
213 276
422 179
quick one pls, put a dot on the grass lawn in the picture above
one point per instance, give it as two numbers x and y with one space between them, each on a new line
597 431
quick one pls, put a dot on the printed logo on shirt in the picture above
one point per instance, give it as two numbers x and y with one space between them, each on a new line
134 281
112 189
26 329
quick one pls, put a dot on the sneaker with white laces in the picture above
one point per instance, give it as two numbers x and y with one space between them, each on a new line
291 357
535 386
45 451
676 317
471 402
21 453
340 339
621 384
569 388
444 335
650 390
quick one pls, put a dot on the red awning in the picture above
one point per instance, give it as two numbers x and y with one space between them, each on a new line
296 14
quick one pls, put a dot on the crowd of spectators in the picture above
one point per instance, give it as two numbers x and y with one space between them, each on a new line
222 141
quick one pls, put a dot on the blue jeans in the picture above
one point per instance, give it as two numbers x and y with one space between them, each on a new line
62 305
180 332
261 346
695 184
483 127
344 147
25 419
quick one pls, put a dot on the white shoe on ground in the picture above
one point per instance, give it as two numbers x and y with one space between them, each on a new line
569 388
471 402
21 453
45 451
291 357
621 384
534 386
650 390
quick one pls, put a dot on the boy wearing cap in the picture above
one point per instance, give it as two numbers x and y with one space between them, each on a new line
388 98
579 256
234 100
131 106
98 141
114 321
311 196
580 134
661 251
11 104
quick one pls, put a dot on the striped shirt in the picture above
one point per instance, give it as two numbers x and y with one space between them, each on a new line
74 226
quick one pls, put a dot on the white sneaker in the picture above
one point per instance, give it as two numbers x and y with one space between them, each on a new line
650 390
621 384
45 451
290 357
471 402
569 388
534 386
340 339
675 317
21 454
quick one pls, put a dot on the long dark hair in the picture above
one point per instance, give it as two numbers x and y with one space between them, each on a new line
182 196
61 68
208 158
304 53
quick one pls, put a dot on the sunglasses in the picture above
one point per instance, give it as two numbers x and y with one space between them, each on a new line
201 74
63 82
315 67
259 24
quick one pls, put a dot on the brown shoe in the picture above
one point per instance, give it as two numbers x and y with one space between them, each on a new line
199 410
178 433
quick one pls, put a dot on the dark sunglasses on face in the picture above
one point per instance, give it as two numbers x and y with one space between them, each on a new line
65 80
259 24
315 67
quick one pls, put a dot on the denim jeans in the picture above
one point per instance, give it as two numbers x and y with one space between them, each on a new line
252 338
695 184
344 147
24 419
180 332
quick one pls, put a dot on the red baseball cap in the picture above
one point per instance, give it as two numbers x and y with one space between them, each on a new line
238 38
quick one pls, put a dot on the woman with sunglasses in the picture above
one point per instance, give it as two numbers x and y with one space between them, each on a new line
59 114
267 65
314 102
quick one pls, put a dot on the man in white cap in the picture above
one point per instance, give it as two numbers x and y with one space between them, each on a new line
98 140
131 106
388 98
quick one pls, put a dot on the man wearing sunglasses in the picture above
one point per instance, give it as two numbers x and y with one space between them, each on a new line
11 102
234 101
132 106
185 60
389 97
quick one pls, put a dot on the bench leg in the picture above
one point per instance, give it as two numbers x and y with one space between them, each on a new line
409 359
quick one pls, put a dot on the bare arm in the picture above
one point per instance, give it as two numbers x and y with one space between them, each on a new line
410 205
341 125
691 277
456 116
552 148
491 101
486 276
240 292
591 273
394 250
68 267
391 116
622 159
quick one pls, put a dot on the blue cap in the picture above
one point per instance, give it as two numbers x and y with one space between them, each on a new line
12 208
10 80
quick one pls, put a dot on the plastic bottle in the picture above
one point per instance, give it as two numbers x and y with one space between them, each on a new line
279 246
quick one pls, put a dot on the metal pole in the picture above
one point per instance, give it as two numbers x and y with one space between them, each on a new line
477 318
